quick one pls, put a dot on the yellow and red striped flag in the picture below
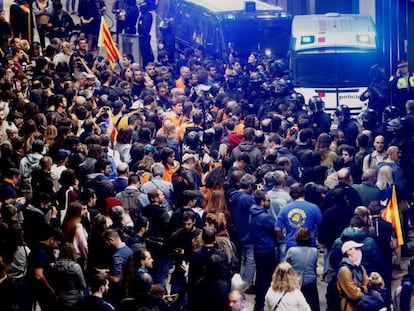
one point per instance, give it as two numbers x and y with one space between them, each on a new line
105 40
392 215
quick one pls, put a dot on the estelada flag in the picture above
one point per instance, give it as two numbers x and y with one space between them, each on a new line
105 40
392 215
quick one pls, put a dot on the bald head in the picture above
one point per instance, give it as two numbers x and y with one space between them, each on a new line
369 175
393 153
344 175
80 100
379 143
122 169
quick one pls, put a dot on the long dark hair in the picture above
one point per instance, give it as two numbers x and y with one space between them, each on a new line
72 219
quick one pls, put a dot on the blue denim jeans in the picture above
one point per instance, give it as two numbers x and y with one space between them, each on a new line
71 3
248 266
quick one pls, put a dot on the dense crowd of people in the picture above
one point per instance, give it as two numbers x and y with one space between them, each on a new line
118 184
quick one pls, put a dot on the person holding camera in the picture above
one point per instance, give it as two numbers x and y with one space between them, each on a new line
60 22
81 57
181 244
126 13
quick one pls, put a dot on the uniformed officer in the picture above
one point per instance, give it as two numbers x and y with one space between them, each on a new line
402 86
320 121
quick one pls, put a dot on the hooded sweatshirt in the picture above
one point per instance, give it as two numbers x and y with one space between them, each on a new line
262 229
239 204
256 156
30 163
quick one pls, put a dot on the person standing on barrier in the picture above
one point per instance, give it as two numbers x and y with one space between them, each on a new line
42 10
126 13
90 18
144 31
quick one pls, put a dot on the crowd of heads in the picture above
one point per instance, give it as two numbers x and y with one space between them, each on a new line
67 114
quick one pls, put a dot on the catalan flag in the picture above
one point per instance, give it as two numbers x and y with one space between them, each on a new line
105 40
392 215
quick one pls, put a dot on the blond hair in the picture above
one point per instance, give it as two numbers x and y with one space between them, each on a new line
66 48
384 177
375 280
284 278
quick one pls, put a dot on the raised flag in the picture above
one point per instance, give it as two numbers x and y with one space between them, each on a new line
392 215
105 40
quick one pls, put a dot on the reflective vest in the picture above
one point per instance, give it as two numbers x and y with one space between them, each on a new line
404 83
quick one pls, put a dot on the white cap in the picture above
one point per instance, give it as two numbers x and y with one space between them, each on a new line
350 244
138 104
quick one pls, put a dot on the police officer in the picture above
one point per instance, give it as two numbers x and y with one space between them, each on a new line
378 91
296 101
320 121
144 29
402 86
256 95
348 126
371 120
390 123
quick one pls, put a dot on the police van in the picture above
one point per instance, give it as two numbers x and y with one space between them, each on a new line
246 25
330 57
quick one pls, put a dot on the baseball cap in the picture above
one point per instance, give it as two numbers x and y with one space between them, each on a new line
350 244
150 148
62 154
187 156
90 76
136 105
18 115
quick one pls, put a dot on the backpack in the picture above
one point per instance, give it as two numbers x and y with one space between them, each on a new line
228 247
131 203
396 302
371 301
125 233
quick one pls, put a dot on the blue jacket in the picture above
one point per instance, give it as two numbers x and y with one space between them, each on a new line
262 229
239 204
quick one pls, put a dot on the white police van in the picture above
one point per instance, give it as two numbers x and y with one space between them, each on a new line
330 57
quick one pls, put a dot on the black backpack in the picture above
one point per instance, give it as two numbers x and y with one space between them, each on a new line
131 203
